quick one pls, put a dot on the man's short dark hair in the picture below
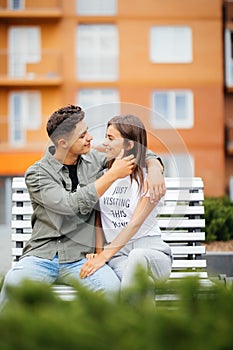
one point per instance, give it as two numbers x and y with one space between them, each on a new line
63 121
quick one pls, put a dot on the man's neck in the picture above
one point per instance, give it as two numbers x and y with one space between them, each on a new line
67 159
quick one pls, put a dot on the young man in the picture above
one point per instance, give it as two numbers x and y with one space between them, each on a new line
64 188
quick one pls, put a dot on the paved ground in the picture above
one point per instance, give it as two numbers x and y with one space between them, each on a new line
5 249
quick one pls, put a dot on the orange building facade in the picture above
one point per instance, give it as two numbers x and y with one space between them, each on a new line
162 60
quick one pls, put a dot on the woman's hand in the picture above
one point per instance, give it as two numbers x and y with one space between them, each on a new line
92 264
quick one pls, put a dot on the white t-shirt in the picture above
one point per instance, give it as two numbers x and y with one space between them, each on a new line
117 205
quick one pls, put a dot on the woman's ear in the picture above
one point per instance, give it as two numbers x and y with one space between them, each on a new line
130 145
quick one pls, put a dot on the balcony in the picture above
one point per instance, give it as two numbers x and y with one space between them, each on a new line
30 9
43 69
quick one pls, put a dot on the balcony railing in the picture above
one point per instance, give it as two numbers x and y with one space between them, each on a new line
20 138
39 68
30 8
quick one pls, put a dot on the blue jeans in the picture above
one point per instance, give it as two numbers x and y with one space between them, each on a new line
48 271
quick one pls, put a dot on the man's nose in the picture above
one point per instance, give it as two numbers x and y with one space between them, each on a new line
89 136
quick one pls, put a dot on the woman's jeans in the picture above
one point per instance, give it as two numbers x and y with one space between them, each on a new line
150 252
48 271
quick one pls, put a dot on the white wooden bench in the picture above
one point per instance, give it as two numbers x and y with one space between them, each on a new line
180 219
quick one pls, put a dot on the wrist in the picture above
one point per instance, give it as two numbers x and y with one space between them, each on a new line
105 255
155 167
111 175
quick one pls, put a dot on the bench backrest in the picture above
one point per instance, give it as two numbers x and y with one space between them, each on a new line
180 219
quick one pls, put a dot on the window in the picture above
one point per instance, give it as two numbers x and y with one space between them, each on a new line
178 165
16 4
229 57
96 7
99 105
171 44
24 47
97 52
172 109
25 114
6 203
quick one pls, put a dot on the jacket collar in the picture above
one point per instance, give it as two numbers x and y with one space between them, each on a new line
56 164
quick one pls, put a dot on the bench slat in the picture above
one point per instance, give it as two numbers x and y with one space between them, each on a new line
188 264
181 210
178 275
179 250
171 182
163 223
172 236
176 195
181 223
165 210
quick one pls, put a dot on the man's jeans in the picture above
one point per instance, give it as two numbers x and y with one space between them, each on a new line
48 271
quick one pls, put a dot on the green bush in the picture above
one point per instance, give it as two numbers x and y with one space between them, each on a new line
36 319
219 219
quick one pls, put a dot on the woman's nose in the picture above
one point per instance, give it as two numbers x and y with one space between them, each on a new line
105 142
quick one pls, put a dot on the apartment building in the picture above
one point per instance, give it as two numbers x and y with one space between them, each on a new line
162 60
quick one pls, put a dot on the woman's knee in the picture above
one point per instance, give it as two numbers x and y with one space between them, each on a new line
137 254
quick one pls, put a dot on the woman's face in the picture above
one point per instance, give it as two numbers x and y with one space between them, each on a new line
113 142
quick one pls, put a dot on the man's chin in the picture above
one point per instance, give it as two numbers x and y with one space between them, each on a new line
86 149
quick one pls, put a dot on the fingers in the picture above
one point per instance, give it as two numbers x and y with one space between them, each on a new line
130 157
86 271
120 155
88 268
156 193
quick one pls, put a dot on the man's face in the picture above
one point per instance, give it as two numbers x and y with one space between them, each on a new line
80 140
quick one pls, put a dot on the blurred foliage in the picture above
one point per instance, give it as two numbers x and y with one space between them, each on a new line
35 318
219 218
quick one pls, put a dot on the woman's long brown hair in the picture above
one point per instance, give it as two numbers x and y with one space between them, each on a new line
131 128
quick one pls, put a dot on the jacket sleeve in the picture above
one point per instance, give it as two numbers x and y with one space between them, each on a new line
48 192
150 154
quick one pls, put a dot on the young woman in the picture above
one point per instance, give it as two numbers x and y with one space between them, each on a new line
127 232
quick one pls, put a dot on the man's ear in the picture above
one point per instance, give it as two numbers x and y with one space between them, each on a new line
63 143
130 145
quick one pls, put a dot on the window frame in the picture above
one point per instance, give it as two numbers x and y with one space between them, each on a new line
158 120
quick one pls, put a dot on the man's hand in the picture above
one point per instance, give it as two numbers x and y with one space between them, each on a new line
155 182
123 166
120 168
